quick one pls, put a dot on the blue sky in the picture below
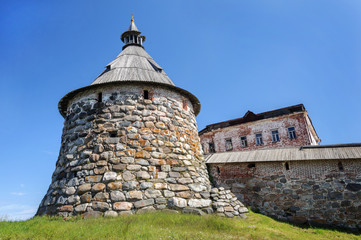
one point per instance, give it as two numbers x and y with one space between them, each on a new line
233 55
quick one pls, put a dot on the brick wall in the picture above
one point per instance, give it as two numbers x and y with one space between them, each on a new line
297 120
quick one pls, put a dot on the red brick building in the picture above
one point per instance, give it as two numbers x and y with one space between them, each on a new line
285 127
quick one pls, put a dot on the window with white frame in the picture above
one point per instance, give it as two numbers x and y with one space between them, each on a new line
229 145
259 139
292 133
275 136
244 142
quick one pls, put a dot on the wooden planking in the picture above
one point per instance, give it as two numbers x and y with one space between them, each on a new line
133 64
286 154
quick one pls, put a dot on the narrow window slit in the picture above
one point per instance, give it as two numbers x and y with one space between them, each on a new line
185 105
340 166
100 97
146 94
251 165
287 166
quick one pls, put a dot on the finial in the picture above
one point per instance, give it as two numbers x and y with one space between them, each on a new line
132 19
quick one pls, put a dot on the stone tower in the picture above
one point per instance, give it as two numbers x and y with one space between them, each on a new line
130 144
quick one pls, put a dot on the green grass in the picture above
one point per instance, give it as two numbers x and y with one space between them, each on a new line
161 225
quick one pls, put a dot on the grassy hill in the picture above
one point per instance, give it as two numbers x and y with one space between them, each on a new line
161 225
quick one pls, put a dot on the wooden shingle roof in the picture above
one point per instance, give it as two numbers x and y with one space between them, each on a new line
305 153
133 64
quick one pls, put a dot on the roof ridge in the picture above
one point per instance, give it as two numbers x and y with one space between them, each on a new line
279 109
136 68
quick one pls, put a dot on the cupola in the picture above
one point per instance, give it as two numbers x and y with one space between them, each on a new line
132 36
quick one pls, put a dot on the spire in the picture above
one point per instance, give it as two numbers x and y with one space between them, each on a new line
132 36
132 26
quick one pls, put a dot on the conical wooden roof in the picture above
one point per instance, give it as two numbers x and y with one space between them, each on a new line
133 64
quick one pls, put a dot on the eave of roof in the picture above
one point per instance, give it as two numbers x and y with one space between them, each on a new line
304 153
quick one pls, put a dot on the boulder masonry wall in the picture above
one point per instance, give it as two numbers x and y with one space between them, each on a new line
313 192
123 154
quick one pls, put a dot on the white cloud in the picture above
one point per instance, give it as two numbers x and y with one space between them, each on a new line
48 152
18 193
12 206
16 212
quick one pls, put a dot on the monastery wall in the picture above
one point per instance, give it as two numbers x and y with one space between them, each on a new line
320 192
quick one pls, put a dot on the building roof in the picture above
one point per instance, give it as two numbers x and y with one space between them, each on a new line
304 153
132 65
251 117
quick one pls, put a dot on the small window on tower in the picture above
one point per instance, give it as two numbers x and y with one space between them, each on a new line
287 166
340 166
184 103
251 165
146 94
100 97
